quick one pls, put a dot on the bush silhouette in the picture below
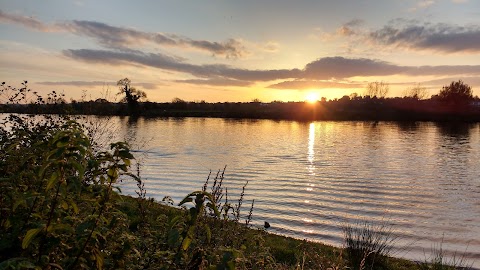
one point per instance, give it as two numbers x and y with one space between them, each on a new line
456 92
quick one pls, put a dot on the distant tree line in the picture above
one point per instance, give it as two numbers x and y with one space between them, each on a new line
453 102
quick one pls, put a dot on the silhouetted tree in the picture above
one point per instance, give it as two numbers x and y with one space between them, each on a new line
178 100
417 92
456 92
377 89
132 95
354 96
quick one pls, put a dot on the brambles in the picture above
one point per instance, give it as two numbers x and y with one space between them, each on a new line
58 205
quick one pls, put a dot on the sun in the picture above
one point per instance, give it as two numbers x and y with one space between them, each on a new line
312 97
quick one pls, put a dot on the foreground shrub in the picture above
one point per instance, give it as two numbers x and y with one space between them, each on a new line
58 200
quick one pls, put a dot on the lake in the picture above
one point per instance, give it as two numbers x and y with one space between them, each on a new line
309 179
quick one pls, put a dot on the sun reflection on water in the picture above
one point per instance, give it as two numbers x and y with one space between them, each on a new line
311 149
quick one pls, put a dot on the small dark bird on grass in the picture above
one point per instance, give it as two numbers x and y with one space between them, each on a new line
266 225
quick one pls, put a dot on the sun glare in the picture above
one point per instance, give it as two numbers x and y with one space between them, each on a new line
312 97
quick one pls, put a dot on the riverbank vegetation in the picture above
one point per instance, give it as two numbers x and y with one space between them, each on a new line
454 102
61 208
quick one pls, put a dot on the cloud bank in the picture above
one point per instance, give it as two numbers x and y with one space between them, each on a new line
443 38
96 83
309 84
327 68
415 36
165 62
119 37
124 38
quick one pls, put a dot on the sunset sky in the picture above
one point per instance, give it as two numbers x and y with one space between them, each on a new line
219 50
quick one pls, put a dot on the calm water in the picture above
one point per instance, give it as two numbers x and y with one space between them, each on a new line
310 179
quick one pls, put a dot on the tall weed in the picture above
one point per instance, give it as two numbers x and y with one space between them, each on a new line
367 245
440 261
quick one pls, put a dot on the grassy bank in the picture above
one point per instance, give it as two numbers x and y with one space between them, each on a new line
283 252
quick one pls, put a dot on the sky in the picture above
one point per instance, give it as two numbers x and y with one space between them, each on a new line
237 51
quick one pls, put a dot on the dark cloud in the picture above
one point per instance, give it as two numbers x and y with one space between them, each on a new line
231 48
321 69
110 36
436 37
308 84
162 61
96 83
340 67
119 37
354 23
124 38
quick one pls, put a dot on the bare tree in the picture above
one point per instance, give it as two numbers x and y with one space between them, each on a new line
377 89
417 92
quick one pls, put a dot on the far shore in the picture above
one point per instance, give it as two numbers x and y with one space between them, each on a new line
371 109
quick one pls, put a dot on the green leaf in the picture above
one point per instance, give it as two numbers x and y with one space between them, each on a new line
29 236
62 142
59 227
174 221
98 259
74 206
54 265
185 200
112 172
43 169
80 168
186 243
51 181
